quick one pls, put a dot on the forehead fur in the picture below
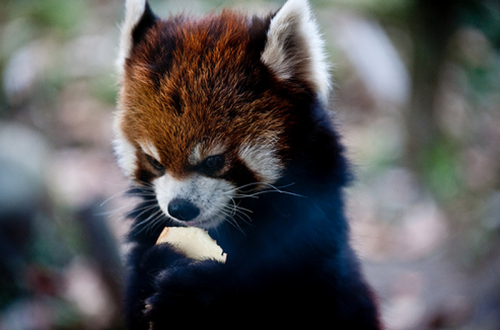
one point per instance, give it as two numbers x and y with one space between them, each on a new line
201 81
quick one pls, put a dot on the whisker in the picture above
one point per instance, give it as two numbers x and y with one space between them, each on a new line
242 216
123 192
254 193
146 223
234 210
244 186
235 213
240 208
230 219
144 209
258 193
156 222
111 213
141 193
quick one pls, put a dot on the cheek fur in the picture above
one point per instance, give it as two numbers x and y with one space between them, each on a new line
126 155
262 159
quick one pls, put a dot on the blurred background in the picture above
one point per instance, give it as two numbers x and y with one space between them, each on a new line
417 100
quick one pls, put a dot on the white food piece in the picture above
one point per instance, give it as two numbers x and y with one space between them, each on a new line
194 242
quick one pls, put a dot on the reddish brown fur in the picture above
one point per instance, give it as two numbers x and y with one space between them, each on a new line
201 84
207 92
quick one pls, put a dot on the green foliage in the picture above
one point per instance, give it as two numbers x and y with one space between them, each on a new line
61 16
441 169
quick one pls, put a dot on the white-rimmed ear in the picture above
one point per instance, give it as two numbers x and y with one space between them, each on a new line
138 19
294 47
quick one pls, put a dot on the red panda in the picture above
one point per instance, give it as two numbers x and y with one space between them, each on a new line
222 124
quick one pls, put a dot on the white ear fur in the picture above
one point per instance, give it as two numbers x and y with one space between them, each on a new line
134 10
294 20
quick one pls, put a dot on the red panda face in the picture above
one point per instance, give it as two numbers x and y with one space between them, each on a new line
203 111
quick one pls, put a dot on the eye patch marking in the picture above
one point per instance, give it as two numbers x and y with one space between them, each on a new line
156 164
203 150
150 149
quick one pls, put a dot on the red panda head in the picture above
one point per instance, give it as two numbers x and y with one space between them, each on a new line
206 105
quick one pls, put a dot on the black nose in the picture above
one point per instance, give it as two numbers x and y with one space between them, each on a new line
182 209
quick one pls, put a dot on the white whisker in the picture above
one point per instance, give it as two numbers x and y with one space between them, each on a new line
148 222
235 213
230 219
254 193
112 213
120 193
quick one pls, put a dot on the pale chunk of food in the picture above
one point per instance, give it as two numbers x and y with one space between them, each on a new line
195 243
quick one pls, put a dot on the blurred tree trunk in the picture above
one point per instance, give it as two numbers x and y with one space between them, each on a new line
431 25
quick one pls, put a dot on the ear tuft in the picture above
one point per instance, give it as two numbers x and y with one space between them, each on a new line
294 48
138 19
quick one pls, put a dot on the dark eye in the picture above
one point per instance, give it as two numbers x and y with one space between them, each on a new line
156 164
214 163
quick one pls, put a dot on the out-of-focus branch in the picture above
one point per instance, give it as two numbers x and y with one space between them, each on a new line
431 25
